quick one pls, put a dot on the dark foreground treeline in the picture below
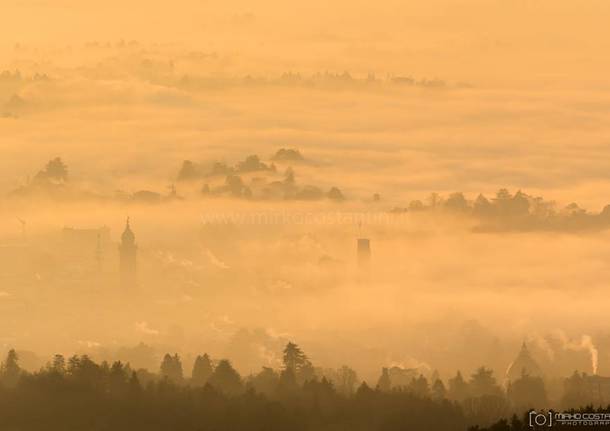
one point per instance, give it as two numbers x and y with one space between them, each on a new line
80 394
53 402
91 397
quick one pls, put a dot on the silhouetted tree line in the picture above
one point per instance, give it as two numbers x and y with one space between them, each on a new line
79 394
503 212
6 76
259 187
324 81
194 171
518 211
50 181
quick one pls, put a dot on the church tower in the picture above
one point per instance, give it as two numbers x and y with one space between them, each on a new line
98 254
128 254
364 252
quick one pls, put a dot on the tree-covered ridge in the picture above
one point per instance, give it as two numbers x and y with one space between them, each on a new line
517 211
253 179
78 393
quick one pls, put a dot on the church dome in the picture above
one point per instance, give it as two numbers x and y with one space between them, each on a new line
523 364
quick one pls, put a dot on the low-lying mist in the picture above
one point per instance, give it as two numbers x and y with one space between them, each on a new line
249 170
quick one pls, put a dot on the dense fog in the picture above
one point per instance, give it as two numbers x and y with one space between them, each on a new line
252 145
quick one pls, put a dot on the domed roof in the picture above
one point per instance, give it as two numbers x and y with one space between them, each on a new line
128 237
523 364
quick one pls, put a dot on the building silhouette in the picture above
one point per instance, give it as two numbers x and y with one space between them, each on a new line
597 389
98 253
524 364
364 251
128 251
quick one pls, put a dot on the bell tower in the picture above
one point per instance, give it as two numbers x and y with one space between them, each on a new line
364 252
128 251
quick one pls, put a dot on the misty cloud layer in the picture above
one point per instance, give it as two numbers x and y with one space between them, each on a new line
389 109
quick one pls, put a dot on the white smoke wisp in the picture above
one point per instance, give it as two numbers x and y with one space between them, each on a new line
270 357
409 362
543 344
215 261
144 328
89 344
587 342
